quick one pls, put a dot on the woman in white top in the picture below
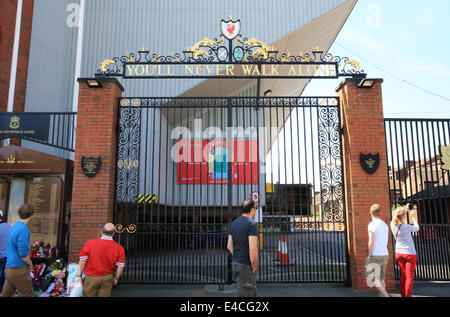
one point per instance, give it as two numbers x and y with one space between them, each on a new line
405 251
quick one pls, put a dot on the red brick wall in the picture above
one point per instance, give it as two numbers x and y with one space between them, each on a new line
24 56
7 29
8 14
363 132
93 198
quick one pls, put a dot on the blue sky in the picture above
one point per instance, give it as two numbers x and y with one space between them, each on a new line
405 42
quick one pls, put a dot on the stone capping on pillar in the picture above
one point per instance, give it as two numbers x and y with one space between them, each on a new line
101 79
363 132
358 80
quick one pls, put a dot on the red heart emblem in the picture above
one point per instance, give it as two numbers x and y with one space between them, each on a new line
230 28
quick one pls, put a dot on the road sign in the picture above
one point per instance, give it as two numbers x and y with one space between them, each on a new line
255 196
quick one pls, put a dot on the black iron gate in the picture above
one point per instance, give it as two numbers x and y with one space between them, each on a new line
185 165
417 151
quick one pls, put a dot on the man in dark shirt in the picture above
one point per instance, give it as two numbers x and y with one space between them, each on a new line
243 245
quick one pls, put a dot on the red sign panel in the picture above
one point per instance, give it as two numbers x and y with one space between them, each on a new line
205 162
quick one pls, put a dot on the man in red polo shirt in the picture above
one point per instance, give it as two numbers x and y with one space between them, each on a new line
98 260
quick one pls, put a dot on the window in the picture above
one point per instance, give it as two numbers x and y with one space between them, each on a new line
16 198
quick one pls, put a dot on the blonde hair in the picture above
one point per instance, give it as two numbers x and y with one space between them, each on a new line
398 215
375 210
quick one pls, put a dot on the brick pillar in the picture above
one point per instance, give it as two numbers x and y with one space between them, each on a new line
93 198
363 132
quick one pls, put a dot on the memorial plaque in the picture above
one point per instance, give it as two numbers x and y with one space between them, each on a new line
44 194
15 159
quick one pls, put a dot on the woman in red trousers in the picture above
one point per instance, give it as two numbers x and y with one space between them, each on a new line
405 251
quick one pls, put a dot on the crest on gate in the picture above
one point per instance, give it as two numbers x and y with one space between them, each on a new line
230 29
370 162
90 165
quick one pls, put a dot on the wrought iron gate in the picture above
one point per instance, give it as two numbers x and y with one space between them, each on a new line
416 149
185 165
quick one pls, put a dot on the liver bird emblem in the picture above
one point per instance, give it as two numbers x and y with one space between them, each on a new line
230 29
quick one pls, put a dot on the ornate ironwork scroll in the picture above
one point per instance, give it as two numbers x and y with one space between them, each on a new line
224 55
331 181
130 228
128 153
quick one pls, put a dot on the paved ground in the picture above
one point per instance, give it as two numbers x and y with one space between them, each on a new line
314 257
421 289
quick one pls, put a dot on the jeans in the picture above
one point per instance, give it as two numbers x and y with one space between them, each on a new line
245 280
407 265
2 273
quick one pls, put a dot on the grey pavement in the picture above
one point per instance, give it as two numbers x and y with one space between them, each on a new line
421 289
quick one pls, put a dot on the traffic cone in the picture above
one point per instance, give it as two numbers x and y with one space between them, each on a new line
285 261
284 253
279 249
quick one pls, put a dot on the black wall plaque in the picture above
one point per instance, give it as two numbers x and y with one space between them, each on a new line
370 162
90 165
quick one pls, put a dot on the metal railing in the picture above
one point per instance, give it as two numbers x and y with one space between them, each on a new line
416 175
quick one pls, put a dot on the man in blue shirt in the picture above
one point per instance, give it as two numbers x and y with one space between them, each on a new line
243 245
18 263
4 230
